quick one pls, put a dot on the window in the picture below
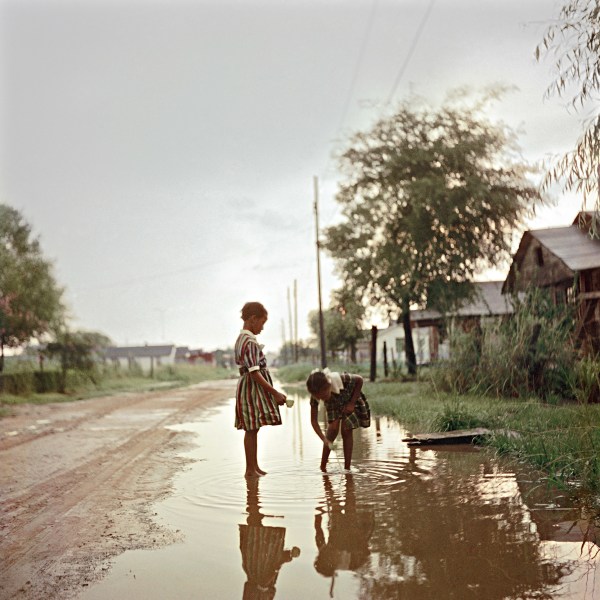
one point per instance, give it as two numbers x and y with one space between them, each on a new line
539 256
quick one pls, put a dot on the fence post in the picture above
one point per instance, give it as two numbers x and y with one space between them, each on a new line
373 353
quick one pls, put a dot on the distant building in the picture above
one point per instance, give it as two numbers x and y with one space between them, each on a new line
489 303
146 357
566 261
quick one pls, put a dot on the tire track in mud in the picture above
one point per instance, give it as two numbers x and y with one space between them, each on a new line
59 533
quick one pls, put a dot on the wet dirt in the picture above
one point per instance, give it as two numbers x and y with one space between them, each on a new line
144 497
78 482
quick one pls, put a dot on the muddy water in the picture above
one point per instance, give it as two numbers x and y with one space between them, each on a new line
405 523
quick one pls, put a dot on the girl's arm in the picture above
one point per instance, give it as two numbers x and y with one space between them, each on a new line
258 378
314 421
358 383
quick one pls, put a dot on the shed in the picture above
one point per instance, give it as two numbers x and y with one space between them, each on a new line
565 260
487 303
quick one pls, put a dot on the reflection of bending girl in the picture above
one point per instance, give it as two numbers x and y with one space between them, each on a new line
347 547
262 549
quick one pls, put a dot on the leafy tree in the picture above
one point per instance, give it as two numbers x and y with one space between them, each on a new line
429 198
78 351
342 322
573 41
30 299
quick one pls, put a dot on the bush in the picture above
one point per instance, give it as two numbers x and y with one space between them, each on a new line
46 381
529 353
455 416
18 384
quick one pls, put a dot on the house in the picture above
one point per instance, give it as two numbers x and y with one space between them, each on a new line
182 354
146 357
565 260
488 303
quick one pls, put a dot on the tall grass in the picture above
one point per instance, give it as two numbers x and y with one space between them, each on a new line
111 380
530 353
298 373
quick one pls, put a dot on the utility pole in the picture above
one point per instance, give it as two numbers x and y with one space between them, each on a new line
295 320
321 326
284 353
291 331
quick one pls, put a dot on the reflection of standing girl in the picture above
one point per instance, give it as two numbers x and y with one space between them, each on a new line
257 401
263 550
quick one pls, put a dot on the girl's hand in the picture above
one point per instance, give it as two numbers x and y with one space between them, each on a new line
348 409
279 398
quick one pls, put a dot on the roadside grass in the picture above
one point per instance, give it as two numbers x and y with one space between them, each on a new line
114 381
298 373
560 440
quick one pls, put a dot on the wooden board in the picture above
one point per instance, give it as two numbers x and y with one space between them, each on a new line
462 436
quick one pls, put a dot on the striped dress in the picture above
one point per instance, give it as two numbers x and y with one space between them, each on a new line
254 406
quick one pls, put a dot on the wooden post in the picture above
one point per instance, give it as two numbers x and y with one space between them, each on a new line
295 321
385 362
373 353
321 324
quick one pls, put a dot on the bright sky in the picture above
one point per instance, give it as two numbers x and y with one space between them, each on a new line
164 151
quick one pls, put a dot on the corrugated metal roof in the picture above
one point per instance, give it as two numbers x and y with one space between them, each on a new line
572 245
488 301
138 351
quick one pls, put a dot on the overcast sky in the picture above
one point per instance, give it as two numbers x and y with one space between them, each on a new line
164 152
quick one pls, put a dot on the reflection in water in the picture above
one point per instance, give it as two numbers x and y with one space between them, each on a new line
349 530
463 533
262 549
418 523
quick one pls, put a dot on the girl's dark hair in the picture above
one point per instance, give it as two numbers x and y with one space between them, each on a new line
253 309
316 382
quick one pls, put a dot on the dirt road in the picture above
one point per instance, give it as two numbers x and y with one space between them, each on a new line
78 481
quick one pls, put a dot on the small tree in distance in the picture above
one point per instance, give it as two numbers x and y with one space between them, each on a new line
30 299
429 198
342 322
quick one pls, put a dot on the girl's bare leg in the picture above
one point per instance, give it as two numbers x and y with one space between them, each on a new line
348 441
250 448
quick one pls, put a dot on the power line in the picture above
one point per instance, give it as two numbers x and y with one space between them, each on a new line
361 53
399 76
411 51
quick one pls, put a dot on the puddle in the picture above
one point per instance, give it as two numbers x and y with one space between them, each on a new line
406 523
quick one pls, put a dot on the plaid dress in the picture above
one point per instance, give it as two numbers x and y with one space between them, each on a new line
361 417
254 406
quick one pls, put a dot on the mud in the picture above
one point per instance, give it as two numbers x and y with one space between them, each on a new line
79 481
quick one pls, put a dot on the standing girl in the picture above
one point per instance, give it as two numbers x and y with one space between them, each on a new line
257 401
345 404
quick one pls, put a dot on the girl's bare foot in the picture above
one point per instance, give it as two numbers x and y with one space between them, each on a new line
251 474
260 471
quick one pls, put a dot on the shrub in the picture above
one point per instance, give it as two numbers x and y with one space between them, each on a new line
531 352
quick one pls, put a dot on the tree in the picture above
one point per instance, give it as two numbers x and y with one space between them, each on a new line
30 299
342 322
77 350
573 41
429 198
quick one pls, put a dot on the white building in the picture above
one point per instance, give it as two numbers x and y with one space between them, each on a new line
146 357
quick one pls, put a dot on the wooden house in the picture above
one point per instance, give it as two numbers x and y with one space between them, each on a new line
488 303
565 260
